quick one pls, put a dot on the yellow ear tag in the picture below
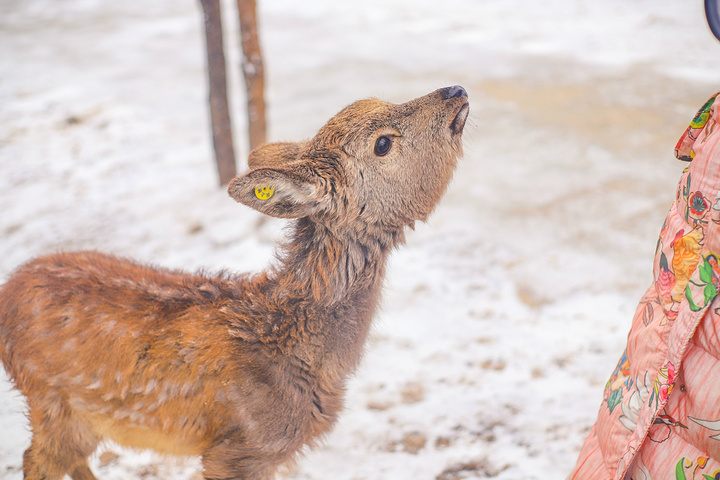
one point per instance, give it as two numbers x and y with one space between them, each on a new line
264 193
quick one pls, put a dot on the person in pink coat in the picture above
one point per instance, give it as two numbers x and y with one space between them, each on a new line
660 415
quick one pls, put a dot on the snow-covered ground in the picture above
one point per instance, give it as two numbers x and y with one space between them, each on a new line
503 316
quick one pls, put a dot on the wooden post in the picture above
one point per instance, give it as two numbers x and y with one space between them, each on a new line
252 67
217 85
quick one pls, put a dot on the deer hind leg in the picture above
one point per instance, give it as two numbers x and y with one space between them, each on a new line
60 444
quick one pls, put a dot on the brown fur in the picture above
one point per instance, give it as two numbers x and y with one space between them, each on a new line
241 370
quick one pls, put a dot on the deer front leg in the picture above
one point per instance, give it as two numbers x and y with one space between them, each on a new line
233 459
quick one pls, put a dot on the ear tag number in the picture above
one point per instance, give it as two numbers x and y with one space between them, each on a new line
264 193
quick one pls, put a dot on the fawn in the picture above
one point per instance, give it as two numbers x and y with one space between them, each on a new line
242 370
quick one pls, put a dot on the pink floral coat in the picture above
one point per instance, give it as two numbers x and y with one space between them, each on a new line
660 415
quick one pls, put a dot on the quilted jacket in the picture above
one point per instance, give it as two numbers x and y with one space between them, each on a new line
660 414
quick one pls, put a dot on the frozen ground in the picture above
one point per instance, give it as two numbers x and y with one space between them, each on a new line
503 316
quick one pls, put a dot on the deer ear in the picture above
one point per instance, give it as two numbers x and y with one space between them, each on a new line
274 154
279 192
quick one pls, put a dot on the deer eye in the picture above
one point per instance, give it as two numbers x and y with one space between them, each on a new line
382 146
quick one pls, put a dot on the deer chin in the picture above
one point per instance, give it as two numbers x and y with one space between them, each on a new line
458 123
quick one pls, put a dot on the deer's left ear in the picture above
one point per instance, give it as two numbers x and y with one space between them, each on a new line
281 191
274 154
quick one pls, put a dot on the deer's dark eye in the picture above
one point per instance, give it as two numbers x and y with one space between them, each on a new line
382 146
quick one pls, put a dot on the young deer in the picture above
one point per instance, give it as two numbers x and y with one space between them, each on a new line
242 370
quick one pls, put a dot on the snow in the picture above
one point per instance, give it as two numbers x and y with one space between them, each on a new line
502 317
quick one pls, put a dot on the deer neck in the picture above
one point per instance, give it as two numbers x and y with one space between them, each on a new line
333 279
333 268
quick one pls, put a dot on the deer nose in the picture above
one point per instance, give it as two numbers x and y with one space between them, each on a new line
454 92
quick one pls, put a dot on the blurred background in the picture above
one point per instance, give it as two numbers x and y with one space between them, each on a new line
503 316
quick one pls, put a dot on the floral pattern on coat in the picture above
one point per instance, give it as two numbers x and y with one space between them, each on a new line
653 423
